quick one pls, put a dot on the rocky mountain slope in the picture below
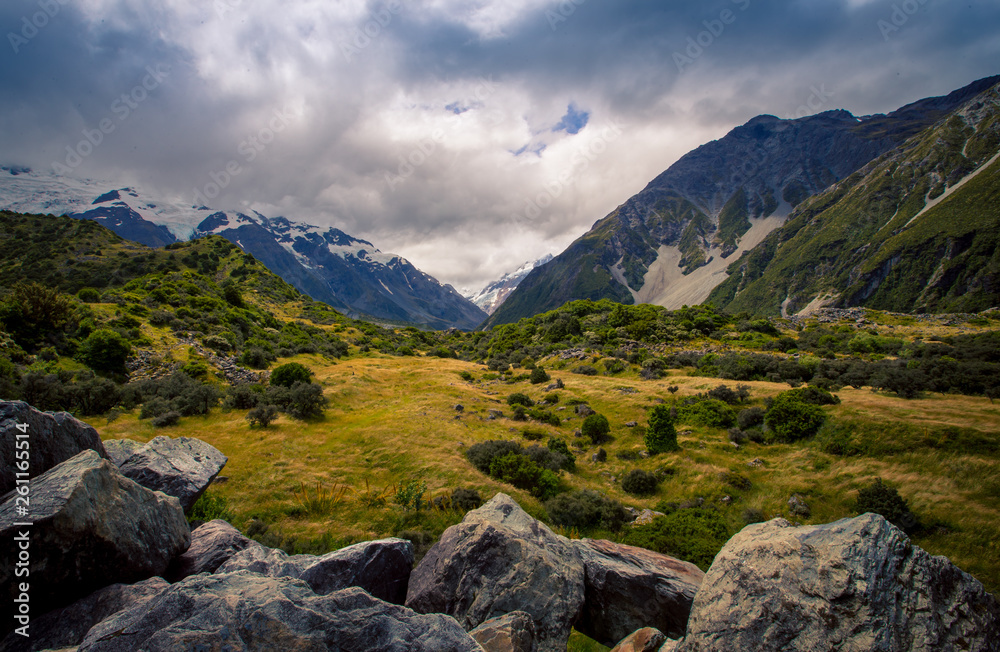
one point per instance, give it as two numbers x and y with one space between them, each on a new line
330 266
495 293
914 231
671 243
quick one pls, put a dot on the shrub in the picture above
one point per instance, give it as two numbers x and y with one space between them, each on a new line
89 295
105 350
661 436
814 396
750 418
711 412
288 374
551 398
736 481
730 396
519 398
695 535
539 376
532 435
880 498
585 370
411 495
155 407
791 420
244 396
256 357
465 499
586 509
597 428
559 447
639 482
481 455
167 419
523 473
262 415
305 401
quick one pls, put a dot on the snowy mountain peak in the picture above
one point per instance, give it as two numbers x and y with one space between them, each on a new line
494 294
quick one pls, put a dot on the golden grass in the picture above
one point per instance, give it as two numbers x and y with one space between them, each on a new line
393 419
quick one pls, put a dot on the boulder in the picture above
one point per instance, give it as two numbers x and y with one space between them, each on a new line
66 627
53 437
212 544
382 568
182 467
246 611
91 527
499 560
647 639
514 632
629 588
120 450
856 584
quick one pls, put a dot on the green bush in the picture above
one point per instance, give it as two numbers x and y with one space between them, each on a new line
288 374
262 415
814 396
171 418
585 370
695 535
597 428
301 400
481 455
750 418
791 420
519 398
639 483
244 396
105 350
521 472
586 509
712 413
880 498
538 376
88 295
661 436
559 447
465 499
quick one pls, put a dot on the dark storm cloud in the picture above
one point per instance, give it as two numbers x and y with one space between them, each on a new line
399 120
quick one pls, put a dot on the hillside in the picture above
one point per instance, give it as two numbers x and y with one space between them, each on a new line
671 243
914 231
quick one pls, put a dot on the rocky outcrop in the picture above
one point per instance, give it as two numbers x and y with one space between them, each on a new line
382 568
91 527
856 584
67 627
52 437
246 611
647 639
119 450
628 588
514 632
499 560
212 544
182 467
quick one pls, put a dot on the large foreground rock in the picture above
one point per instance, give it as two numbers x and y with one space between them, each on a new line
212 545
66 627
119 450
382 568
53 437
630 588
246 611
499 560
91 528
182 467
514 632
853 585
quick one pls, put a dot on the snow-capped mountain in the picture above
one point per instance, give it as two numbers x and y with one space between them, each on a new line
494 294
327 264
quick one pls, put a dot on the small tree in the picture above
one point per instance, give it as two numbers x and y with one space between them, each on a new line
288 374
880 498
791 419
262 415
105 350
539 376
597 428
639 482
661 436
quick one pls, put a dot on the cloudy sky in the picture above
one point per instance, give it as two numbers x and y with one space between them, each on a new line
467 135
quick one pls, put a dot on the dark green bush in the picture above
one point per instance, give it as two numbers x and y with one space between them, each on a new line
750 418
171 418
154 407
880 498
586 509
519 398
301 400
465 499
814 396
523 473
262 415
597 428
288 374
791 420
639 482
89 295
105 350
585 370
736 480
481 455
661 436
538 376
243 396
695 535
710 412
559 447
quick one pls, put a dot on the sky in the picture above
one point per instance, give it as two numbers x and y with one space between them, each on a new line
468 136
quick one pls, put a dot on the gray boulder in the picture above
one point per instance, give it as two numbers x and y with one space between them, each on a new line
91 528
212 544
514 632
246 611
382 568
120 450
629 588
182 467
499 560
647 639
856 584
53 437
67 627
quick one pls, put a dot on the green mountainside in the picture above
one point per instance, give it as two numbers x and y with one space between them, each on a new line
917 230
